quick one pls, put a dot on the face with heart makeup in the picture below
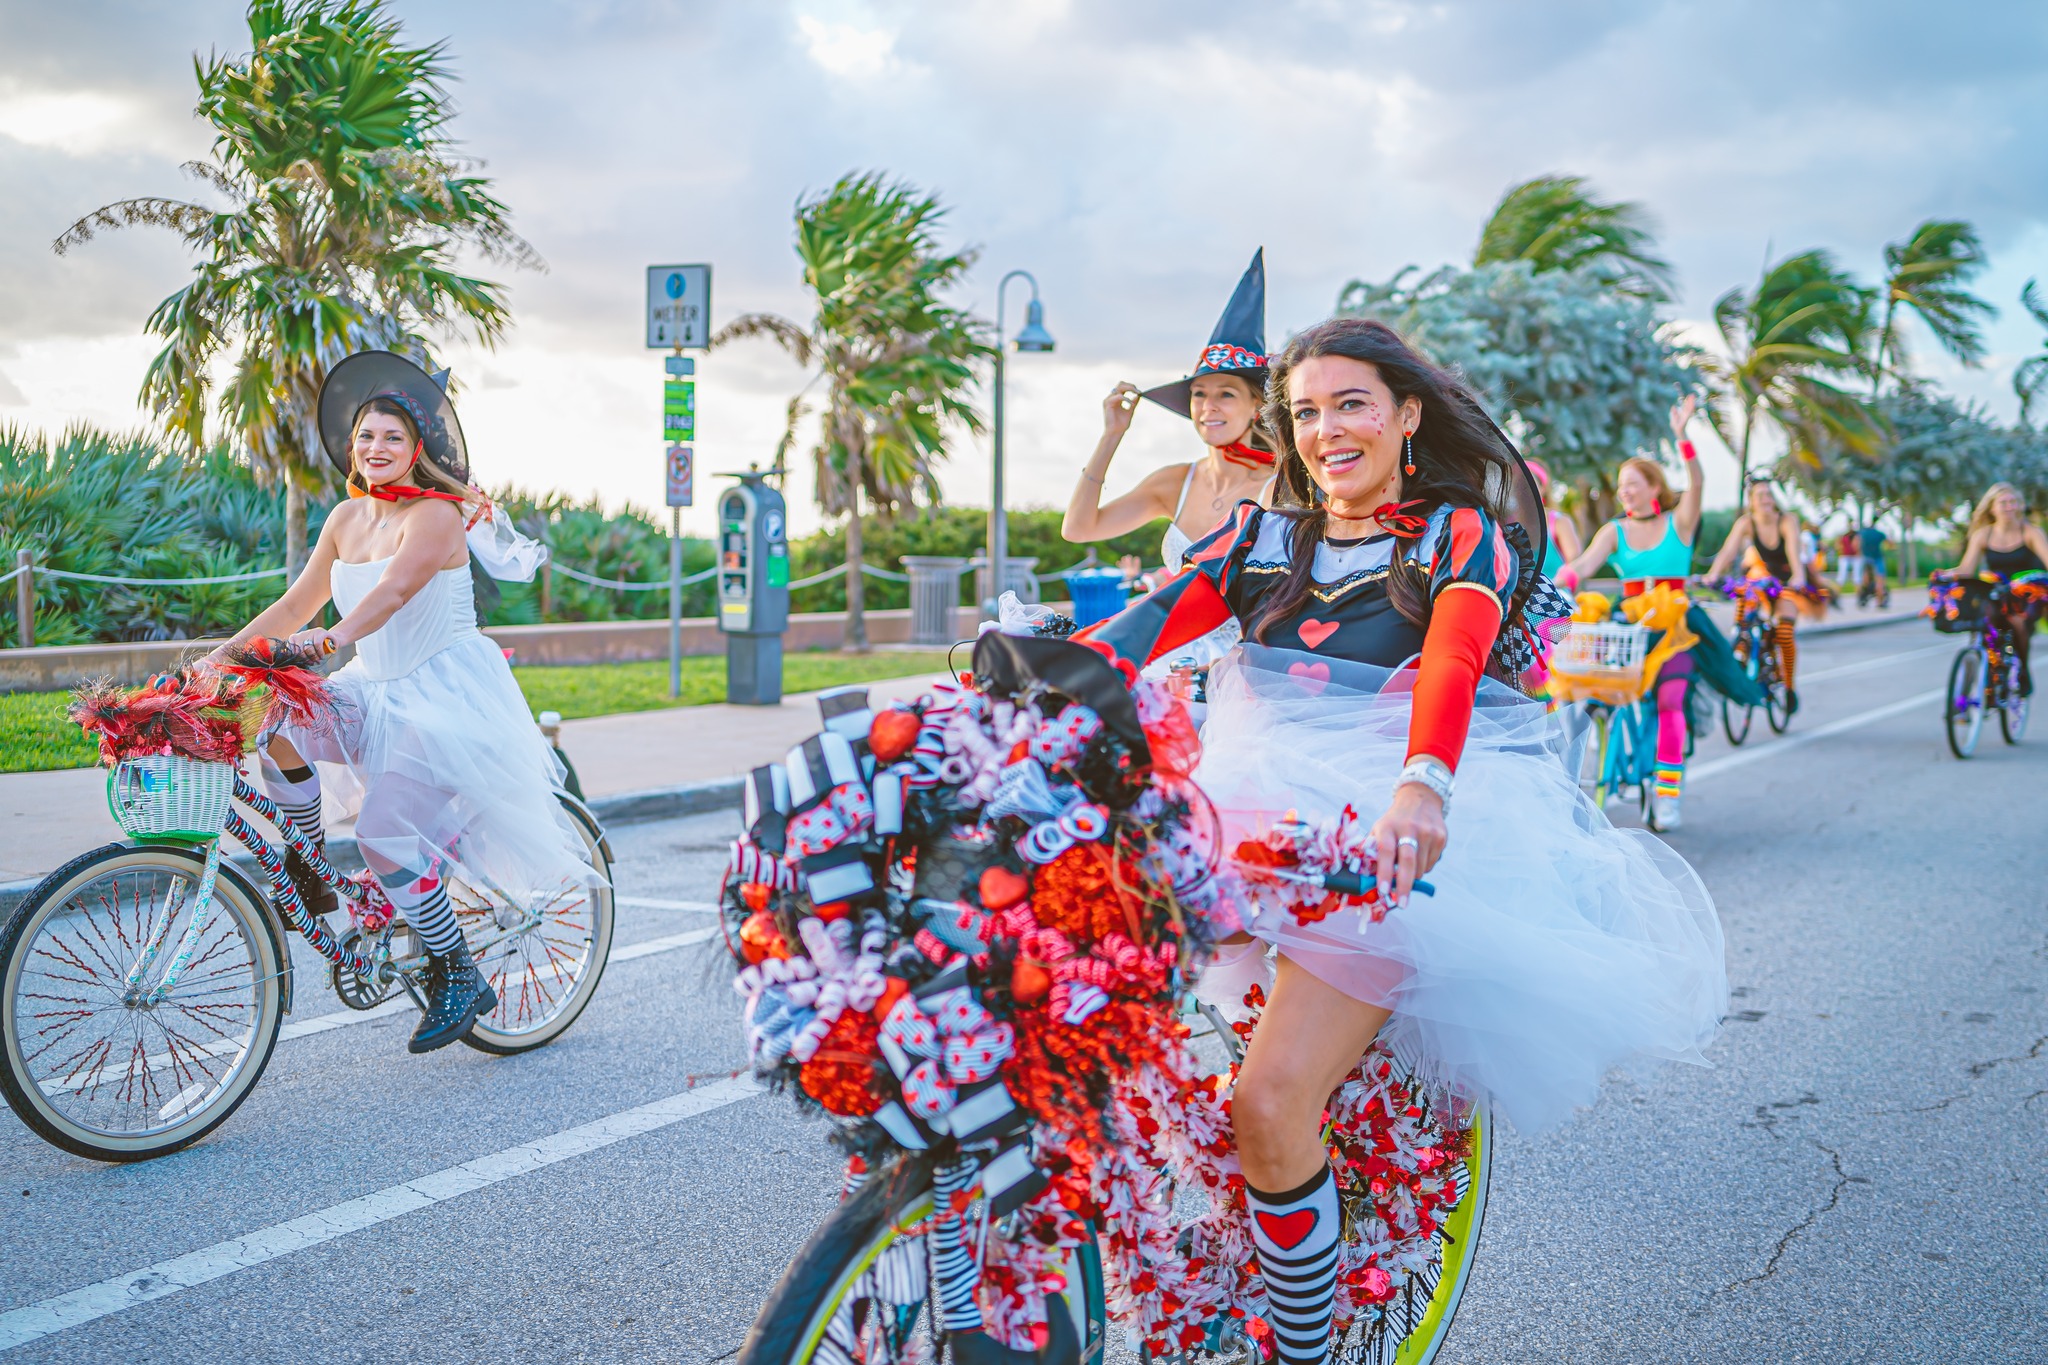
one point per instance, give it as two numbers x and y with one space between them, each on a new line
1350 428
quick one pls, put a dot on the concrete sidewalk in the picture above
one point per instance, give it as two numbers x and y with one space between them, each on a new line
637 765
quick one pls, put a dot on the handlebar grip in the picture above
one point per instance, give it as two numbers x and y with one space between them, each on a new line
1348 883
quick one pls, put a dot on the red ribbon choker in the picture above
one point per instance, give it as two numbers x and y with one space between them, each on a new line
384 492
1394 517
1250 456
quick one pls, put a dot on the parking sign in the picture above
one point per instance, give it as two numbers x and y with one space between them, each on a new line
682 477
678 306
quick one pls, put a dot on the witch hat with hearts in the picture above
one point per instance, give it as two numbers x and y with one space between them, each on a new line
1237 346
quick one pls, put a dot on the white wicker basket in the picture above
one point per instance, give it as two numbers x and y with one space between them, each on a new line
1603 659
164 795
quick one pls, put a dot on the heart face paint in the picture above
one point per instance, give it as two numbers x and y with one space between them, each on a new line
1349 428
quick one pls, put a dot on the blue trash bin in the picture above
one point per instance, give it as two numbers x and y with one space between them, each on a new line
1098 594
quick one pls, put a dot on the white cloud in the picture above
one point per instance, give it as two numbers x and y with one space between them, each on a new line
848 50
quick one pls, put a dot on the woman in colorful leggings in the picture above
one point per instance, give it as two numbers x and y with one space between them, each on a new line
1651 543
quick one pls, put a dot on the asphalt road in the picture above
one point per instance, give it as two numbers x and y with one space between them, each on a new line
1857 1178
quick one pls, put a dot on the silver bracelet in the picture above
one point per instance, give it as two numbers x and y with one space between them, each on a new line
1086 475
1432 773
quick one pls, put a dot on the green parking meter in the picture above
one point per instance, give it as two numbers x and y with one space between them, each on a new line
753 588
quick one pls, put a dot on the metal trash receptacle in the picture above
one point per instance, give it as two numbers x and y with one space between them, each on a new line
934 597
1020 576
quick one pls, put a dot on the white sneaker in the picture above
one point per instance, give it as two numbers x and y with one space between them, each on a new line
1664 813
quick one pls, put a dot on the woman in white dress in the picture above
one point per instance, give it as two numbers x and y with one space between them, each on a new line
1222 397
432 723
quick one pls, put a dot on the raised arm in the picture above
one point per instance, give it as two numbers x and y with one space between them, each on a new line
1588 563
1737 542
1686 516
1088 518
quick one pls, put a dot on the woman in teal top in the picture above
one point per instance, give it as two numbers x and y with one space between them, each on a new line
1651 543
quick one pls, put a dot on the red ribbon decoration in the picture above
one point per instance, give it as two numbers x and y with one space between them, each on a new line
1394 517
384 492
1250 456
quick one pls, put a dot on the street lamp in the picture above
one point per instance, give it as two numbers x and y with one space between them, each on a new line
1032 337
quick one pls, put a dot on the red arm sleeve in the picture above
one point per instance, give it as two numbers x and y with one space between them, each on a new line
1462 627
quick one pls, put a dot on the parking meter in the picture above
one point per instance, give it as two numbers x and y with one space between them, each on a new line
753 588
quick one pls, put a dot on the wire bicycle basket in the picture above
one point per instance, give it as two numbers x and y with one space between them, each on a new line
168 796
1599 661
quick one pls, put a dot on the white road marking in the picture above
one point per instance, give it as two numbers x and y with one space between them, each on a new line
165 1278
651 903
1744 757
1865 666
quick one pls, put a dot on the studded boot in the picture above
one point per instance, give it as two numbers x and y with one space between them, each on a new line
456 995
318 896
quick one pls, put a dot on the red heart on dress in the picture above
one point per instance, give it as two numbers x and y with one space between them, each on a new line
1313 677
1314 632
1287 1229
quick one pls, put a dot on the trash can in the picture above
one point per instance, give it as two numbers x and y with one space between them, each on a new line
1098 594
934 597
1020 576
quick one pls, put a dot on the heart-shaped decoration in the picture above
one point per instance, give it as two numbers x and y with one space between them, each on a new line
1314 632
1312 677
1029 981
1001 888
1286 1230
892 733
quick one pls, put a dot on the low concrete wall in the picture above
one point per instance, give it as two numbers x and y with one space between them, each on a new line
57 667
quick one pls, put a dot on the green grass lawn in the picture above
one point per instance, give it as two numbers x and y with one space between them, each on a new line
35 735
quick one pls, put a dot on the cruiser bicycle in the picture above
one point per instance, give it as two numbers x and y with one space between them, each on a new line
1986 673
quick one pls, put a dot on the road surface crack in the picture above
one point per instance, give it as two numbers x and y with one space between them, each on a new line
1768 1120
2031 1054
1842 1181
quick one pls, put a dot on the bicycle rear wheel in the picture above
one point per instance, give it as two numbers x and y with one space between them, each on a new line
1963 704
2012 711
94 1066
545 975
861 1289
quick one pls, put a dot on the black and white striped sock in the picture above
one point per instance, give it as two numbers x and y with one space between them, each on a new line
297 794
953 1270
427 911
1296 1233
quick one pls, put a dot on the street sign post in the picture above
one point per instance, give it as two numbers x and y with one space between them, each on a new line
678 307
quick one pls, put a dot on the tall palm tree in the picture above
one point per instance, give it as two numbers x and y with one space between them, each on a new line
897 362
346 205
1929 273
1555 223
1788 342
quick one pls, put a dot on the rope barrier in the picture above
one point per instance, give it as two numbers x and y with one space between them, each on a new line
623 586
152 582
12 573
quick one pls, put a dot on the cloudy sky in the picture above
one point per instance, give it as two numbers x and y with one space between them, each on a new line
1130 153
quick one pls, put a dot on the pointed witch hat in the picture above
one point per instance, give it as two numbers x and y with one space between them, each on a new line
1237 346
381 374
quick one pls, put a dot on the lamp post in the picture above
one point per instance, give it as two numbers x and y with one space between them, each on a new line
1031 337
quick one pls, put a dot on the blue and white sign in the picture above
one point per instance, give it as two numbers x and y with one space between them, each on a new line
678 306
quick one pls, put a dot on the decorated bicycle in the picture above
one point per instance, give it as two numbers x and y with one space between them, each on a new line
1988 672
143 984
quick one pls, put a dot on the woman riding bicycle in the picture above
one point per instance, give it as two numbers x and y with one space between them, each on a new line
432 723
1651 543
1222 399
1773 533
2002 541
1554 945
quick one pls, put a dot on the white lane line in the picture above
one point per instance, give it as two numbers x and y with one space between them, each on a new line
165 1278
322 1023
1744 757
1844 670
651 903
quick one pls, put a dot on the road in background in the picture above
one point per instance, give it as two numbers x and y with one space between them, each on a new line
1855 1179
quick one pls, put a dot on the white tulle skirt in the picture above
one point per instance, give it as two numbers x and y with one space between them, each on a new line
451 767
1556 946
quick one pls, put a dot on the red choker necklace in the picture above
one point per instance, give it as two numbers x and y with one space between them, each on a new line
1250 456
385 492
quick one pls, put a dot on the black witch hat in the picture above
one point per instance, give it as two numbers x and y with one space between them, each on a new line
380 374
1237 346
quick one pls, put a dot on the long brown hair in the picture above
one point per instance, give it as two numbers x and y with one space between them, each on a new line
1460 458
424 471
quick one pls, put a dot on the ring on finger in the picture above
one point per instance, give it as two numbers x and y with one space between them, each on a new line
1407 841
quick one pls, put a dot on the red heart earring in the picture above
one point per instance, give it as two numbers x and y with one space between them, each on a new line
1408 446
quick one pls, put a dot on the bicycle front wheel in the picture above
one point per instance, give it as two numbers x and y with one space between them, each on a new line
1963 705
2012 712
1736 718
92 1063
547 973
860 1290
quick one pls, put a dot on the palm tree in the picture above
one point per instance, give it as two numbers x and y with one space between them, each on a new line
897 362
346 207
1928 273
1555 223
2030 380
1805 325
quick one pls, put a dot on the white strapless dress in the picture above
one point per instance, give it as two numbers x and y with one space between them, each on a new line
438 734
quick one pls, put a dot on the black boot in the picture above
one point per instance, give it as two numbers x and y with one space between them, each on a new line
456 994
318 896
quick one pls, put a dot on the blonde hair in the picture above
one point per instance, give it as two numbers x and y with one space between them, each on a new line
1653 475
1987 510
